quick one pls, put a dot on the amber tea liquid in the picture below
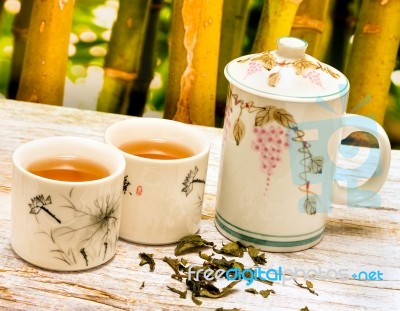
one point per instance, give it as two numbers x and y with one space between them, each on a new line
157 149
68 168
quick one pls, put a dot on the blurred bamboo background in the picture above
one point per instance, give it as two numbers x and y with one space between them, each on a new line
166 58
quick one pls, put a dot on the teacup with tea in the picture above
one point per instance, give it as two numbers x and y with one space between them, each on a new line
66 202
164 179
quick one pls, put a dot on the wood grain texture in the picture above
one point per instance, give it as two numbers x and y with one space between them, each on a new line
356 239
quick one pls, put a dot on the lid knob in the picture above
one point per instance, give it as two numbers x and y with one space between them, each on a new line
290 47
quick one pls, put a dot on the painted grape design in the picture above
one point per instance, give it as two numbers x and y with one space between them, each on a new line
269 142
314 77
253 68
273 129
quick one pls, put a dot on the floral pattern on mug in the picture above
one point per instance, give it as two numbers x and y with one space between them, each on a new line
308 69
272 129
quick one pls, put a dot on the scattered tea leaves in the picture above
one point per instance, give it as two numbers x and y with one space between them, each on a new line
309 286
147 259
141 286
189 243
251 290
265 293
235 249
177 291
255 255
304 309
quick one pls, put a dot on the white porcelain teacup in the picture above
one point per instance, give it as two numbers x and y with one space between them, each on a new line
284 121
162 197
66 202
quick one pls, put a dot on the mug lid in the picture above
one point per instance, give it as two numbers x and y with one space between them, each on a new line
287 73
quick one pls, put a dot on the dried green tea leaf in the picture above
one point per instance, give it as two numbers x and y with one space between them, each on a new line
181 293
184 261
304 309
265 293
309 286
205 292
205 256
141 286
147 259
189 243
174 264
232 248
251 290
196 300
254 254
223 309
224 264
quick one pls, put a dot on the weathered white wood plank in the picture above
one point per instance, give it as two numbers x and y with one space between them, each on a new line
356 239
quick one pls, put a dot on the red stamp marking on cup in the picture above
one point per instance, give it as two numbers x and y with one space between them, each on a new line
139 190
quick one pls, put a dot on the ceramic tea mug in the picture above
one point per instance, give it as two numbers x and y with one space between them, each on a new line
162 197
58 221
285 118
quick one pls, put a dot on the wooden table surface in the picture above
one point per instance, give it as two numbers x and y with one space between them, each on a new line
356 239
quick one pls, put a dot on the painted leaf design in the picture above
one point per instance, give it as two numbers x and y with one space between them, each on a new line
285 119
310 205
274 78
267 59
333 74
301 65
264 116
238 131
317 163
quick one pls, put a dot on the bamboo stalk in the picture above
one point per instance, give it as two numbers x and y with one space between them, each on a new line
372 57
46 54
138 91
276 21
234 21
191 89
312 23
124 51
1 8
20 30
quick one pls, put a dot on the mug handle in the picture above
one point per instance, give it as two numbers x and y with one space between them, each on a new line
345 195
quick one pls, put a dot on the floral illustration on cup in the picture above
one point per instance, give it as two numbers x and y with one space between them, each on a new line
273 130
305 68
38 204
94 228
191 179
